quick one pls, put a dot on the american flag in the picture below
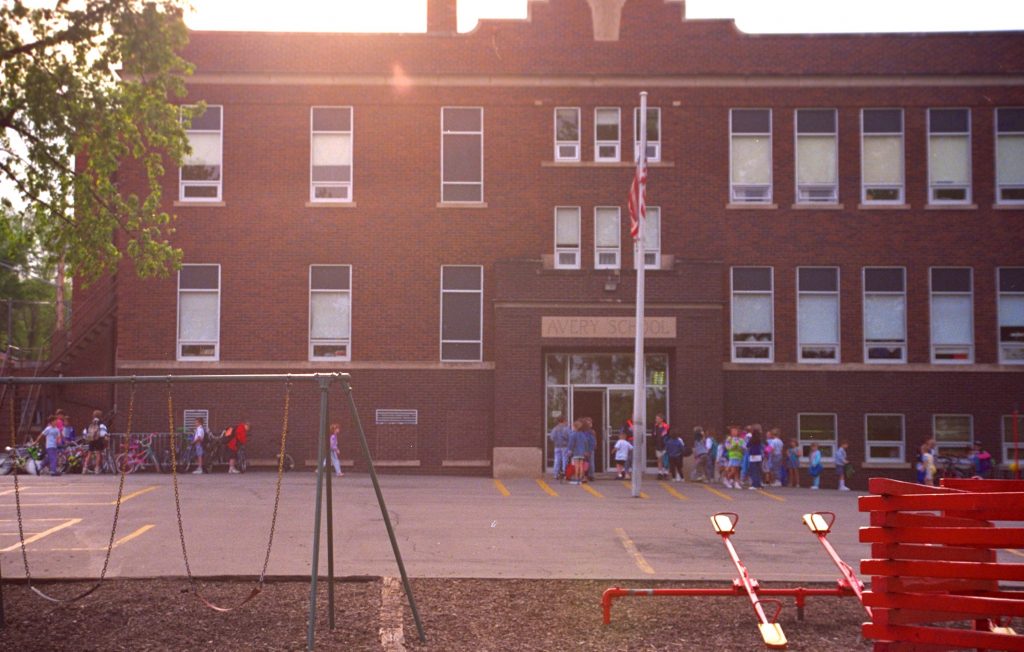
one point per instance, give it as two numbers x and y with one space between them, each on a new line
638 196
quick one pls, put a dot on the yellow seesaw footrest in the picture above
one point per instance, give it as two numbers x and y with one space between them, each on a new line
772 635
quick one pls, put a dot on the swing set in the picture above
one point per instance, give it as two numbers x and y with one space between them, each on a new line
324 382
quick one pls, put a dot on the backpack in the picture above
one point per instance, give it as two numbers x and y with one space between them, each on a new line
687 451
92 433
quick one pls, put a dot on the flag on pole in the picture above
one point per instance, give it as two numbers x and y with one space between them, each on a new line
638 195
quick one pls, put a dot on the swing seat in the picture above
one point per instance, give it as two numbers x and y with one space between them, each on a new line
772 635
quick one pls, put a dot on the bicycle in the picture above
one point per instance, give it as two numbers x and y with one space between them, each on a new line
140 455
953 467
70 457
184 454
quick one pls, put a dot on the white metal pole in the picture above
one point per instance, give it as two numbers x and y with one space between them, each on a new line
639 368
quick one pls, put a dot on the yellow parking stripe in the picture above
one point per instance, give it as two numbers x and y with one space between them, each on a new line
772 496
134 494
672 491
11 491
44 533
717 492
628 485
630 547
547 488
500 486
593 492
125 539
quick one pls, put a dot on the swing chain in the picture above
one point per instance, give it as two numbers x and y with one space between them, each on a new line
280 473
124 472
17 492
174 479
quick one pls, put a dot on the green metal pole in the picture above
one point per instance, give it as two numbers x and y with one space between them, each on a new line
325 383
383 508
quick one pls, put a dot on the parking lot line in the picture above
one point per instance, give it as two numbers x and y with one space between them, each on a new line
500 486
717 492
547 488
125 539
771 495
134 494
11 491
593 492
44 533
630 547
627 485
673 492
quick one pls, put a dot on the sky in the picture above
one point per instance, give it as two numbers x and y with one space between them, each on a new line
757 16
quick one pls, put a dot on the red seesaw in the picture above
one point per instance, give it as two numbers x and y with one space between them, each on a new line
771 632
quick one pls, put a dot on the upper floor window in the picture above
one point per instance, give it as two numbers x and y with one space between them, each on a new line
1010 156
1011 314
750 155
653 134
885 314
462 313
652 238
330 154
952 315
462 154
606 134
817 158
949 156
817 314
567 237
607 237
752 314
330 312
199 312
200 178
567 134
882 156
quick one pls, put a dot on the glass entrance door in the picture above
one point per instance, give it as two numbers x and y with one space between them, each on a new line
620 408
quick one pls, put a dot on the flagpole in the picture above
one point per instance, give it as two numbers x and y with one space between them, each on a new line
639 367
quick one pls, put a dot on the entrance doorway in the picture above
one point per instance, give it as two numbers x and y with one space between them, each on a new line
590 403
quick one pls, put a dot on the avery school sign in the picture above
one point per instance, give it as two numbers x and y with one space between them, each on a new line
624 327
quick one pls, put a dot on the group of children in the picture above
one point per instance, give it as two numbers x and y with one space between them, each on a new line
979 460
59 432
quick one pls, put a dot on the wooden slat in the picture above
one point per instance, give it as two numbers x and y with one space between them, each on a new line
924 551
959 604
944 636
883 584
889 487
985 486
994 513
1007 537
883 616
981 504
915 519
946 569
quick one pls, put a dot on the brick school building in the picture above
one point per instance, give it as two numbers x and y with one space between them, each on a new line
835 237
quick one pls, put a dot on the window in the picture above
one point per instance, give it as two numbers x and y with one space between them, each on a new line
199 312
884 438
952 315
330 154
201 170
750 156
653 134
330 312
817 160
462 154
885 314
752 314
817 429
607 235
606 135
1009 452
949 156
462 313
1010 156
817 314
190 417
881 163
652 238
1011 314
953 433
567 237
567 134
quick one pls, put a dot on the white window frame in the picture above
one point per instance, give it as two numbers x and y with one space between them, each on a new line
934 187
463 133
189 419
737 193
770 344
561 249
959 446
839 323
901 444
574 144
931 320
652 257
346 342
179 343
1007 447
617 249
801 442
219 184
442 341
349 185
805 197
1004 346
653 146
864 136
902 344
617 144
998 186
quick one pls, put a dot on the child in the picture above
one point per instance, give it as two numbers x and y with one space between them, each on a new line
53 439
843 466
96 437
928 464
197 440
578 450
700 454
755 457
736 446
622 450
675 448
815 466
982 460
793 463
335 459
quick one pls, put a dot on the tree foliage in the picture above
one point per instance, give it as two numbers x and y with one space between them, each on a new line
71 117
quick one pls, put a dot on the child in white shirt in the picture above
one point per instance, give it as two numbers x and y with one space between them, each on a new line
622 449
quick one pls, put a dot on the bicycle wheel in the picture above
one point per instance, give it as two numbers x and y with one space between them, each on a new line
242 462
151 459
125 462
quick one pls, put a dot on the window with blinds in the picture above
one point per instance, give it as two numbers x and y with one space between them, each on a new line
607 237
882 165
750 156
952 315
567 237
753 331
199 312
330 157
885 315
1010 156
817 156
817 314
949 156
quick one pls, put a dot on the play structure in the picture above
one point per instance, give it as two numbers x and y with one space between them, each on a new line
323 382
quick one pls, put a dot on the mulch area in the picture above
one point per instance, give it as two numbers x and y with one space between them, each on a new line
458 614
